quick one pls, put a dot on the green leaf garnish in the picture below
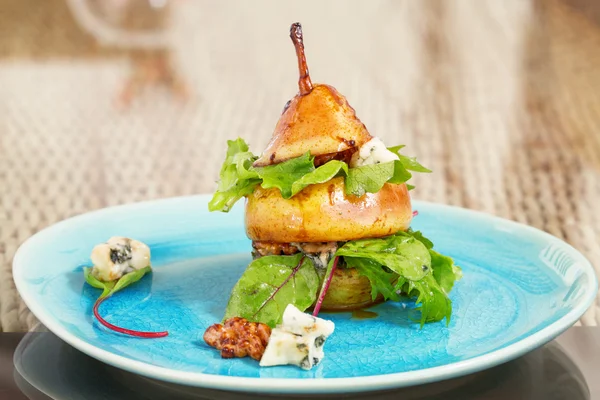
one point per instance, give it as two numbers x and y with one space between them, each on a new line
129 278
238 178
111 287
269 284
419 236
381 281
421 272
283 175
404 255
434 304
368 178
106 287
403 262
323 174
444 270
410 163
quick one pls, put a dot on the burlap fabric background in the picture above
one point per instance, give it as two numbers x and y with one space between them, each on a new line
500 98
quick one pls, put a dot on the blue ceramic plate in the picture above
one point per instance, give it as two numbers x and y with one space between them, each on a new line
521 288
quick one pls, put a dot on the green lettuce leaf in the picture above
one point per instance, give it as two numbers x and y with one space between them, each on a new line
284 174
322 174
400 175
368 178
432 293
404 262
269 284
238 178
445 272
381 281
402 254
291 176
371 178
410 163
419 236
434 304
421 272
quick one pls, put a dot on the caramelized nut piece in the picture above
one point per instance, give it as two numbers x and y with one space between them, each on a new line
238 338
273 249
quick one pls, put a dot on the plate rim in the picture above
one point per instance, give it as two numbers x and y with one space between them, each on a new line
316 385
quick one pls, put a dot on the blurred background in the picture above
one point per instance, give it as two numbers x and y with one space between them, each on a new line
105 102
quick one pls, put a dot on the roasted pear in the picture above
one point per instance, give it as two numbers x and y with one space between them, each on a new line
318 119
324 213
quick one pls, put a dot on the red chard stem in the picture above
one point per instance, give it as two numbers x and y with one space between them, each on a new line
290 276
325 288
141 334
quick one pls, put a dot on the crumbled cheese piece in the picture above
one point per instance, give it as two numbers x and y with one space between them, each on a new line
299 340
318 253
118 256
372 152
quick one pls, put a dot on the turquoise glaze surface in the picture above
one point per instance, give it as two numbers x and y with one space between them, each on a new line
521 287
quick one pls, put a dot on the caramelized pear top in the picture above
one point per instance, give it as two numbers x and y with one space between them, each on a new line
318 119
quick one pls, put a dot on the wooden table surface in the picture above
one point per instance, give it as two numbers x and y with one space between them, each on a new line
501 99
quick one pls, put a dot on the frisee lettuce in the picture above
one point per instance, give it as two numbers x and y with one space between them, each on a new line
238 178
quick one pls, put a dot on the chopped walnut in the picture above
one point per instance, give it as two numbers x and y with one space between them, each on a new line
273 249
238 338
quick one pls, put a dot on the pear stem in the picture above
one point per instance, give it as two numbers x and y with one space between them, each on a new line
304 82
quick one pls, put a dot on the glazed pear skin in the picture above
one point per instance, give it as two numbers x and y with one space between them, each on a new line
324 213
321 122
348 291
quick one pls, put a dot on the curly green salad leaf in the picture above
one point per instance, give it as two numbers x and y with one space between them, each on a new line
402 254
238 178
421 272
382 281
401 263
269 284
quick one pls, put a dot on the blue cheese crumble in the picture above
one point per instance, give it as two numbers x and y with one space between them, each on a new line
118 256
372 152
298 340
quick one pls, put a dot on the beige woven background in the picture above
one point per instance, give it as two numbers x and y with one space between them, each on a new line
500 98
